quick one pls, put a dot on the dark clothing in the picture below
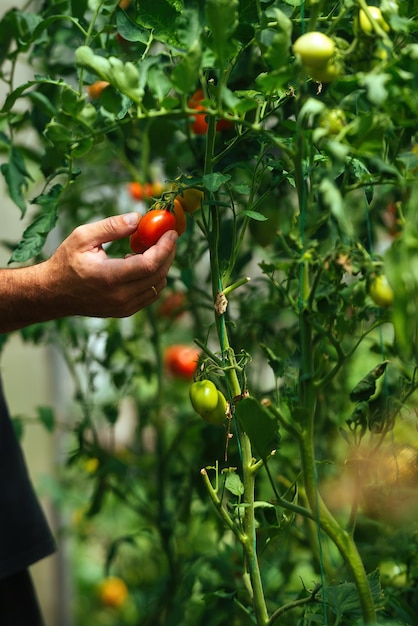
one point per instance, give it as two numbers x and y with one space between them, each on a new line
18 602
25 536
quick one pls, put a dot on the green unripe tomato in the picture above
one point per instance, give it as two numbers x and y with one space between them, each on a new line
218 415
325 74
366 25
203 396
393 574
333 120
381 292
314 49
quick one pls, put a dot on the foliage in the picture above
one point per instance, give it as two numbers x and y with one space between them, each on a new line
309 190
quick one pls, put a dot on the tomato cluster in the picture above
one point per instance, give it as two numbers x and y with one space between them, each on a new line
164 215
208 401
316 52
139 191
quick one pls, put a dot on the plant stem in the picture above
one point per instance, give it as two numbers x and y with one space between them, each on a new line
322 515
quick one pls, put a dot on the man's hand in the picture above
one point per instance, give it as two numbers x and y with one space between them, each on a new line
80 279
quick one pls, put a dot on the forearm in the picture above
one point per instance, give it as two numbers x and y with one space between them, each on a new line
25 298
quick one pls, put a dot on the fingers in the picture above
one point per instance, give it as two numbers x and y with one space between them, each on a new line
109 229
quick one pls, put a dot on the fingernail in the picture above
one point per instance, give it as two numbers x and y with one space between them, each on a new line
131 219
173 235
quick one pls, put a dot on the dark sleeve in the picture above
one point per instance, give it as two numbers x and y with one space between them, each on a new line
25 536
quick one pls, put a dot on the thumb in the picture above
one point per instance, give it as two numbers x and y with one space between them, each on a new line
111 228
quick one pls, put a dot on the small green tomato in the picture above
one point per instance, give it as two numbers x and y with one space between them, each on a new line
381 292
366 24
314 49
218 415
204 396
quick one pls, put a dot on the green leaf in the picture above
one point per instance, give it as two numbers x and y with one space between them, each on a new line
275 41
366 387
254 215
234 484
129 30
160 17
213 182
184 74
36 233
222 20
47 417
17 177
332 199
261 428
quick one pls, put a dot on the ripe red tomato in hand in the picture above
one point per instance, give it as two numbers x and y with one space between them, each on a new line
181 360
153 225
136 244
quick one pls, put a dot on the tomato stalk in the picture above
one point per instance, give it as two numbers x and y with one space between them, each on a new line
248 536
325 520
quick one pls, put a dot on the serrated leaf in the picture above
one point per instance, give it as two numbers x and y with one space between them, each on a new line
129 30
261 428
160 17
36 233
213 182
17 177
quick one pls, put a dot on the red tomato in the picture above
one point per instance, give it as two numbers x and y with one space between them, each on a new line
180 216
95 90
199 126
181 360
136 245
136 190
153 225
223 125
172 305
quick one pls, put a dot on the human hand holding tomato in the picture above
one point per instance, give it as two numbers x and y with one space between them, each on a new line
84 280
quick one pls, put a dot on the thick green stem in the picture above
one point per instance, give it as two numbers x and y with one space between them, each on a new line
324 518
248 537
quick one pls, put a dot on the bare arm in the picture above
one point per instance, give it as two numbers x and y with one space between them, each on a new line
80 279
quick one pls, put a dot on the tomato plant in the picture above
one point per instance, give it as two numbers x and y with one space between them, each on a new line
318 168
